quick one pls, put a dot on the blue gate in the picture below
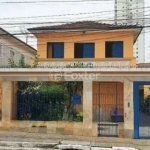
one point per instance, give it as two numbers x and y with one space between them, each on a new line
141 111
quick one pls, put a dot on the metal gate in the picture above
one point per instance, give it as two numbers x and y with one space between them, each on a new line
108 107
144 111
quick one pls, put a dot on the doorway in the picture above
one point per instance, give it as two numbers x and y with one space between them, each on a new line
141 98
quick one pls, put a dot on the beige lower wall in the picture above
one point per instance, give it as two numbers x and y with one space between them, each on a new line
60 127
73 128
121 133
53 127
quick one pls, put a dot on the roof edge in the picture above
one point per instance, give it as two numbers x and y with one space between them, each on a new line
7 33
138 34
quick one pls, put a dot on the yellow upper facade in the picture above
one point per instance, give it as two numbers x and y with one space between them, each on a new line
87 45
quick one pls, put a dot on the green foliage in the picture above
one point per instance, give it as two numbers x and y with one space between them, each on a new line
29 86
79 116
52 89
36 61
74 115
11 63
145 105
79 65
72 88
22 64
45 103
76 65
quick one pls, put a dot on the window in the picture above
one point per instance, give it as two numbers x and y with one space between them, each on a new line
12 54
1 51
55 50
114 49
84 50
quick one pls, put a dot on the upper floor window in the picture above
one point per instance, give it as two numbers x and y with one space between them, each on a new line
12 55
55 50
114 49
1 51
84 50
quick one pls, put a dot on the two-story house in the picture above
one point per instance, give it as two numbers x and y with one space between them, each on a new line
92 45
99 55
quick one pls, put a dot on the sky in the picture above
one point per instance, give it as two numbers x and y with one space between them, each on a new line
63 11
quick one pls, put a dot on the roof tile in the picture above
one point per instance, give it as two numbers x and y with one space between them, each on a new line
81 25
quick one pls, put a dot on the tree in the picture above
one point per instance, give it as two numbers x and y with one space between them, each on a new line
71 88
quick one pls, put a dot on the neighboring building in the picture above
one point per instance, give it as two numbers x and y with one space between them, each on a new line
12 48
64 42
131 12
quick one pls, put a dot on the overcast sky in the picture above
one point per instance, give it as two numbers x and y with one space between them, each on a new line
59 12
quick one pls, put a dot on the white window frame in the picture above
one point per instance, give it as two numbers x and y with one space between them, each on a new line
1 50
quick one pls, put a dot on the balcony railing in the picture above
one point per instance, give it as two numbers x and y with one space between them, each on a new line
83 63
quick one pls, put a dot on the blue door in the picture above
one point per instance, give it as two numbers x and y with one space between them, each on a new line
141 110
58 50
88 50
117 49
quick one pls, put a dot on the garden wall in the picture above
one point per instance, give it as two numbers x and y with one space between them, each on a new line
54 127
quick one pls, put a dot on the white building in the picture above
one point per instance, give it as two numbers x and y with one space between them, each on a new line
13 48
131 12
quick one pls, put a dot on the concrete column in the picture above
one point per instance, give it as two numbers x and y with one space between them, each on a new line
14 100
7 104
87 104
128 108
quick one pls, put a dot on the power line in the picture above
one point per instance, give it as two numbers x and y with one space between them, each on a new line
31 23
72 14
52 1
41 23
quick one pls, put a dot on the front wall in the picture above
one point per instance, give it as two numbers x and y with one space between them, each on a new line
125 129
53 127
98 38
